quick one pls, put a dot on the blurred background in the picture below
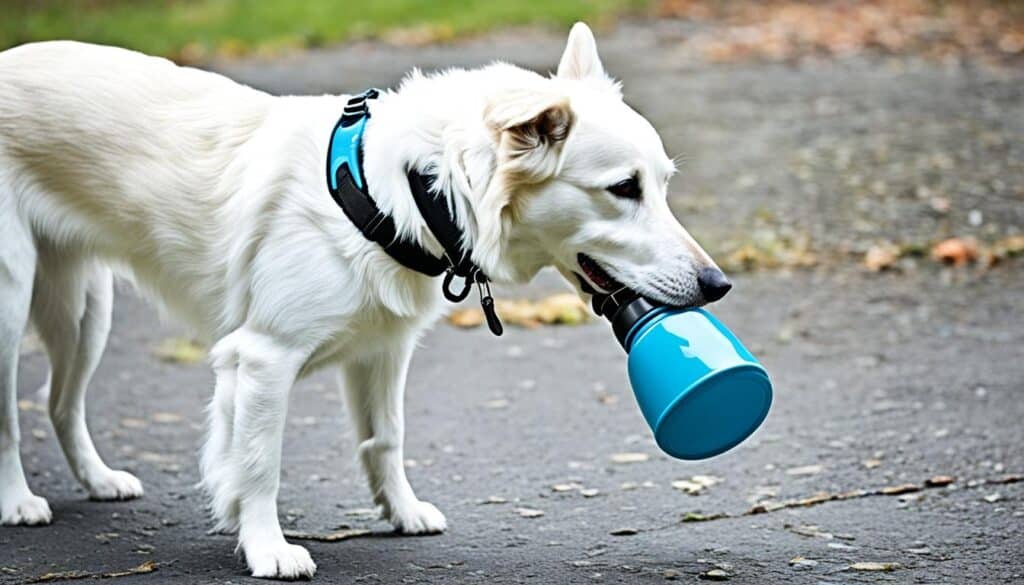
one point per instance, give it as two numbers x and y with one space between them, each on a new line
856 167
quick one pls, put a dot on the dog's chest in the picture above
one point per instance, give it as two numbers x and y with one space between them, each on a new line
371 331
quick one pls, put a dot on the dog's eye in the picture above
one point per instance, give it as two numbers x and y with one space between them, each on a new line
628 189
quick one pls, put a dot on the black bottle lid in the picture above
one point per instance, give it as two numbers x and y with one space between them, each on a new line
622 309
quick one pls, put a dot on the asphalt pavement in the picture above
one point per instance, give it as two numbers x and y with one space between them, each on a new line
892 448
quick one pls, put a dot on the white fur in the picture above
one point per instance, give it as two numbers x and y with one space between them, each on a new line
211 197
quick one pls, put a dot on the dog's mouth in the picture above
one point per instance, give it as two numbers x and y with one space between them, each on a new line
596 275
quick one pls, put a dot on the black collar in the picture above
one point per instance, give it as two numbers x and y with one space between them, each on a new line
347 185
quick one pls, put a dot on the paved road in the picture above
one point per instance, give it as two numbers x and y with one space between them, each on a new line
881 380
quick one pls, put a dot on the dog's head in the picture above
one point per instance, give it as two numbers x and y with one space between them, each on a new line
580 183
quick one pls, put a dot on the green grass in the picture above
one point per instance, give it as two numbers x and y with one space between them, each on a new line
167 27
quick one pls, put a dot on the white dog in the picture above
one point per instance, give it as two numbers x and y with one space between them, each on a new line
211 196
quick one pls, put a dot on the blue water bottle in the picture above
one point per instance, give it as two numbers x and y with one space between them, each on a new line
700 390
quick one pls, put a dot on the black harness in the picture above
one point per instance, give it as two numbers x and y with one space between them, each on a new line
346 183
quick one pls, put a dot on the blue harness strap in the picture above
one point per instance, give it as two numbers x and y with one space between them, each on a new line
347 185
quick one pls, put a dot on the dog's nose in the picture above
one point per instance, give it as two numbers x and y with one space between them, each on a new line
713 284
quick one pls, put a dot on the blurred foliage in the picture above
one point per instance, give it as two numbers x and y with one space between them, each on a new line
193 29
778 30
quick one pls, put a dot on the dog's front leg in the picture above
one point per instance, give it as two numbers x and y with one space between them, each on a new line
267 368
375 389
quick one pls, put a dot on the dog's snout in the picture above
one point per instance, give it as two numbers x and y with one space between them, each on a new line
713 284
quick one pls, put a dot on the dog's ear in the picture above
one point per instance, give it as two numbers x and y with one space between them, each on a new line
580 60
529 129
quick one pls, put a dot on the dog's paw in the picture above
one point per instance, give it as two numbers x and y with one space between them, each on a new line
280 561
417 517
114 485
28 510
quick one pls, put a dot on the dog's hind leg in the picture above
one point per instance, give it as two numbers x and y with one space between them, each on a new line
17 266
375 390
219 479
71 309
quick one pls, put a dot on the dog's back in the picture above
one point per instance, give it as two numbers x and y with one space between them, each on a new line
112 133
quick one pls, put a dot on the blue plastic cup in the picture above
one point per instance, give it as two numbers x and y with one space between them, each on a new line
700 390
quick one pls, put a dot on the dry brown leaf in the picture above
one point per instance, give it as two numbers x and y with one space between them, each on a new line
630 457
180 350
873 566
564 309
626 531
343 534
881 257
698 517
939 480
804 470
716 575
467 318
696 484
146 567
166 417
895 490
559 309
529 512
956 251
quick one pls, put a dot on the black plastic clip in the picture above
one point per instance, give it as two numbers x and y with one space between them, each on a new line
446 288
487 304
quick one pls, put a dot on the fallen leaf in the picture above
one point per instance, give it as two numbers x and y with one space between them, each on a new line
814 500
180 350
134 423
146 567
529 512
871 463
467 318
841 546
559 309
696 484
624 532
166 417
956 251
873 566
906 488
335 536
804 470
698 517
881 257
26 405
801 562
630 457
362 512
715 575
1008 247
939 480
